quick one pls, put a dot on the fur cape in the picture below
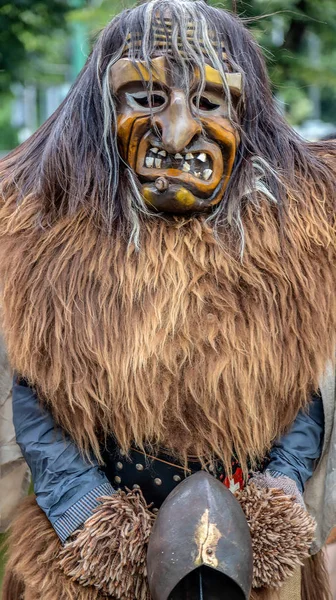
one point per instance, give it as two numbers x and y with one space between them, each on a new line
181 344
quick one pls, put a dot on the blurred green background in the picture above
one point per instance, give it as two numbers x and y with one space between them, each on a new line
44 44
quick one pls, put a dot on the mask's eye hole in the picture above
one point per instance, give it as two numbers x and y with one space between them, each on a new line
205 103
147 101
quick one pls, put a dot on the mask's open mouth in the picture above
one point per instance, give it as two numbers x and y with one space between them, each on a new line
198 168
180 181
198 164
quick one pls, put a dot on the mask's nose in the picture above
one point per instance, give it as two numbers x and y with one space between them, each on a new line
177 124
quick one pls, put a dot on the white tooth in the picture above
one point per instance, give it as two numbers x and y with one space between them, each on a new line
155 150
207 174
158 163
202 157
186 168
162 153
198 174
189 156
149 161
178 155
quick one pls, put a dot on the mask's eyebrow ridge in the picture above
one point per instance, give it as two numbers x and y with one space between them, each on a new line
125 71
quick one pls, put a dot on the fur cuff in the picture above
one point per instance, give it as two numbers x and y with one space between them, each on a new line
281 530
109 552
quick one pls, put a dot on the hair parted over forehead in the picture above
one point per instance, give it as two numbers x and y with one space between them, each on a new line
72 161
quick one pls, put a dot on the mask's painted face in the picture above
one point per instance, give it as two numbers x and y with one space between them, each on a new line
182 152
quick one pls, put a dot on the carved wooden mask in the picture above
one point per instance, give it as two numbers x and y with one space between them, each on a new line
181 145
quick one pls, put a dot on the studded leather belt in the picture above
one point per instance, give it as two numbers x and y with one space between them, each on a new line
158 475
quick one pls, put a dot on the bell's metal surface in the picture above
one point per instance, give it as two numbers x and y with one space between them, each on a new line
200 546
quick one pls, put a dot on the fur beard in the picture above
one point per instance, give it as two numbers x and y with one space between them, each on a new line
182 344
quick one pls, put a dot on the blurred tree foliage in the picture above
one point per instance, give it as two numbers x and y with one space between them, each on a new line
298 38
33 36
27 28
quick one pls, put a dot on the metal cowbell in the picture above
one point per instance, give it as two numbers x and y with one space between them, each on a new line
200 547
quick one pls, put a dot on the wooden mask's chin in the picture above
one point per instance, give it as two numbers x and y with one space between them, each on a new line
178 199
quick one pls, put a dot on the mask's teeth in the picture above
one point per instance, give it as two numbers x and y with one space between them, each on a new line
198 174
178 156
207 174
158 163
202 157
189 156
154 150
186 167
163 153
149 162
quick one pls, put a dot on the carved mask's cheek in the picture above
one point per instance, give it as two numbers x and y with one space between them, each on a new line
182 147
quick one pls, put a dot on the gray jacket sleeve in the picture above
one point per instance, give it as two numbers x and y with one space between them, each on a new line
67 486
297 453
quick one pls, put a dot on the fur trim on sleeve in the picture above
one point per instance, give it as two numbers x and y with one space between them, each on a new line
282 532
109 552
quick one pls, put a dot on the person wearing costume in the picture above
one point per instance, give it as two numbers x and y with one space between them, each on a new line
167 259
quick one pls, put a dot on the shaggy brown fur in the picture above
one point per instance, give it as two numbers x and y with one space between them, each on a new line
110 551
181 344
12 587
32 567
315 578
282 533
